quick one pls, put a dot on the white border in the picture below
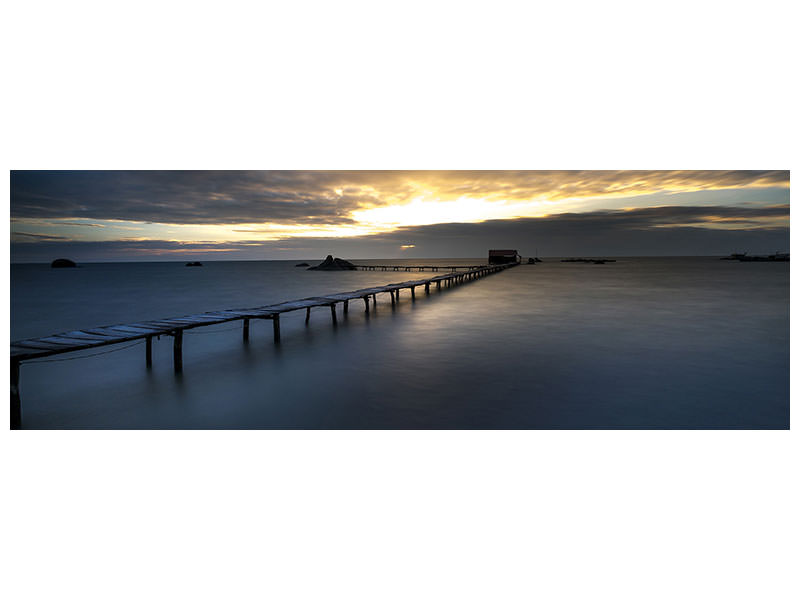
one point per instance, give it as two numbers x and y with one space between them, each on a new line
399 514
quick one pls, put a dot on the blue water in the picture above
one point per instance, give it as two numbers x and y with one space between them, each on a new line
640 343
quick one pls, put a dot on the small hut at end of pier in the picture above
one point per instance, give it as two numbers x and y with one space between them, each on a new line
503 257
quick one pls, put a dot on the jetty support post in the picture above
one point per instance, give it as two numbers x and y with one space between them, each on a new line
177 350
346 304
276 328
308 314
375 300
427 288
333 313
391 295
245 330
148 352
366 304
16 405
413 295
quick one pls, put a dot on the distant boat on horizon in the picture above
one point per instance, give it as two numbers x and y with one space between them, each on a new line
777 257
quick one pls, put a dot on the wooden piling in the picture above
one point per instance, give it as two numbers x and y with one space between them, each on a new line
413 295
308 314
177 350
366 304
148 352
16 405
333 313
427 287
245 330
346 304
276 328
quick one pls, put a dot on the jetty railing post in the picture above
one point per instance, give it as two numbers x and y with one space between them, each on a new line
177 351
245 329
16 405
148 352
276 328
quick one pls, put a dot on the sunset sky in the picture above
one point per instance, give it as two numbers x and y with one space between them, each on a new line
230 215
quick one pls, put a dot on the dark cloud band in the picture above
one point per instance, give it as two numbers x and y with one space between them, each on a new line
320 197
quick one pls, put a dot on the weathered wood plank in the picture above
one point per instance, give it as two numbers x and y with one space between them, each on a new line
38 345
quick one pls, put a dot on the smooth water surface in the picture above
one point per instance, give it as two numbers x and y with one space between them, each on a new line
640 343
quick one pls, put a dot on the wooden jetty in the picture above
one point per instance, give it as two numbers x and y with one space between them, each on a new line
75 341
409 268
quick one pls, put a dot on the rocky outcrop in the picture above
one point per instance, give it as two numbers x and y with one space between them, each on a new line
194 264
301 265
62 263
334 264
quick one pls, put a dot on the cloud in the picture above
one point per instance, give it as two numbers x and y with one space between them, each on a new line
21 236
666 230
325 197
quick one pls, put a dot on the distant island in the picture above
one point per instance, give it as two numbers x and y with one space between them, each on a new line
334 264
62 263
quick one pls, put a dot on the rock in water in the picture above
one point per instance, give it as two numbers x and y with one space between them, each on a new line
334 264
62 263
301 265
194 264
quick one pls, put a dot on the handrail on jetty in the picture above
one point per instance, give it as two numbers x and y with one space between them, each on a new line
74 341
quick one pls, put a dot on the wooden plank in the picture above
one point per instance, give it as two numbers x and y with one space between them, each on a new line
104 331
61 341
131 329
82 335
79 342
38 345
21 352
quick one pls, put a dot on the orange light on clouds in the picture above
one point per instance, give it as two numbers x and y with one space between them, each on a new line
347 204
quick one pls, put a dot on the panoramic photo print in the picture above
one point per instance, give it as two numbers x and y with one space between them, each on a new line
399 299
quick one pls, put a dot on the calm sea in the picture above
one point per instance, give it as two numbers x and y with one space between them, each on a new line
640 343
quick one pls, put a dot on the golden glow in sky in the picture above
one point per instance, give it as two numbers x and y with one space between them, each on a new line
266 206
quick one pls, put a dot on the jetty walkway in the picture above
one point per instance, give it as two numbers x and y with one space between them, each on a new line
83 339
408 268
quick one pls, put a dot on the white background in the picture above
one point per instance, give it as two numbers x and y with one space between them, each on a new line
367 514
